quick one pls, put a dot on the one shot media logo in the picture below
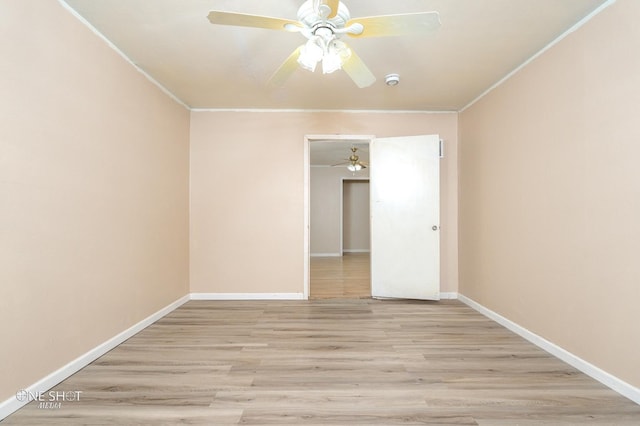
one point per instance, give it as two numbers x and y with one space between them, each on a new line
49 399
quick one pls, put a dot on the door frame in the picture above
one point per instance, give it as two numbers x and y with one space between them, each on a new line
308 139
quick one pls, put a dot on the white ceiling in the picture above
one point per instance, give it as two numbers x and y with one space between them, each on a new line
212 66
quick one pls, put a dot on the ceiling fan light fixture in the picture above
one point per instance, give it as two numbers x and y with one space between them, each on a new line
354 167
331 63
335 56
310 54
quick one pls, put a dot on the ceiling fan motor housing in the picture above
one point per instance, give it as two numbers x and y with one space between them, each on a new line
311 17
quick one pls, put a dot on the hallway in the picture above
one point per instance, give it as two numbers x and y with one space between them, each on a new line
340 277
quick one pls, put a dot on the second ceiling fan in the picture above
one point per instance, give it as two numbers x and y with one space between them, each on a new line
323 23
353 163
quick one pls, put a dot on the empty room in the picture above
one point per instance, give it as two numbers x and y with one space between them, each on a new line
319 212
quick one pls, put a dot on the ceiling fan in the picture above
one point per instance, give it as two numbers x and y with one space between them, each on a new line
353 162
323 23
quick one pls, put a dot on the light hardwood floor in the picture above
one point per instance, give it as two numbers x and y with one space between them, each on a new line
347 276
330 361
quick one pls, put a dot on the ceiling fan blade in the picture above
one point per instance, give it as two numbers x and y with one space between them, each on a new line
287 68
394 25
358 71
245 20
333 4
326 9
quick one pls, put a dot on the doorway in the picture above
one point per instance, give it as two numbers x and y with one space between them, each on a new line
356 235
404 215
347 275
337 219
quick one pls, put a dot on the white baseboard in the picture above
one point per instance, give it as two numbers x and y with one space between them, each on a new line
356 251
246 296
448 295
12 404
325 254
609 380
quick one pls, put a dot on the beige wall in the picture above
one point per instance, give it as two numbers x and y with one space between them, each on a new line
324 209
93 193
247 193
550 194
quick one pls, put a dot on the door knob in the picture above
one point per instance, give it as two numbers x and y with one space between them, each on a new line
434 227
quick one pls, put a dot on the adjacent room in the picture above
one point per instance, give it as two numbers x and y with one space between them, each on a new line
339 224
319 212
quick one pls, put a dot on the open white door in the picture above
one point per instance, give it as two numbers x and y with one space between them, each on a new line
405 217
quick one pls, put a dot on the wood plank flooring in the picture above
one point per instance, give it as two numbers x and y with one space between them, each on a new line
347 276
326 362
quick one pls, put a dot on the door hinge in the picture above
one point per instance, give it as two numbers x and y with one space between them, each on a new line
441 153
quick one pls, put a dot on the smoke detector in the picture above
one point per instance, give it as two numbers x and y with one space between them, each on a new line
392 79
